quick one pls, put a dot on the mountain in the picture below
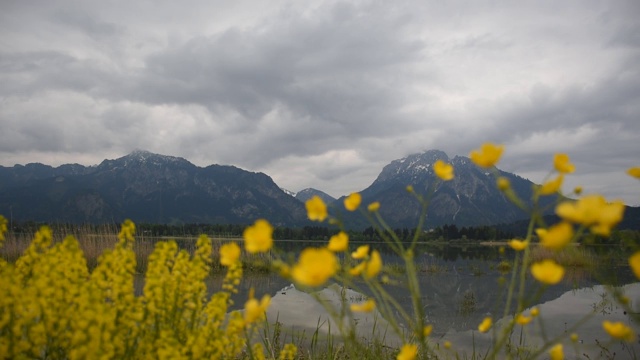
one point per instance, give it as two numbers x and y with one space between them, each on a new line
470 199
145 187
308 193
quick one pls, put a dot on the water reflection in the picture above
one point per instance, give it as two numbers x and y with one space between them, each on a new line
460 285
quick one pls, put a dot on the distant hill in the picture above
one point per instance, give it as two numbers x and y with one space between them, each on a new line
306 194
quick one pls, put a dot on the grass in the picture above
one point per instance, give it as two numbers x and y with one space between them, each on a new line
571 256
95 241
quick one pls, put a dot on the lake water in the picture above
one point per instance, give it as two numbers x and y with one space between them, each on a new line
461 287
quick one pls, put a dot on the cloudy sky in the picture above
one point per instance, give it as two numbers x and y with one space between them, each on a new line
325 93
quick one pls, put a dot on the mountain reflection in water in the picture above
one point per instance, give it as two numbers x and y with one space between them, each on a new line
460 286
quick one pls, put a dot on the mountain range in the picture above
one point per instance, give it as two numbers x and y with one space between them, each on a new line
153 188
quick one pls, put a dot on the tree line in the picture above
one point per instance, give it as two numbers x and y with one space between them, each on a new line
447 232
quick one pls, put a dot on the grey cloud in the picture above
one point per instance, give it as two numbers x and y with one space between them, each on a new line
91 26
257 86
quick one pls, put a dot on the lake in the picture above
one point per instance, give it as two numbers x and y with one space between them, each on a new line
460 285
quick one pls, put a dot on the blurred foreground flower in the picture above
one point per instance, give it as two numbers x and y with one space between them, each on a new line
408 352
562 164
557 236
619 330
634 262
316 209
551 186
361 252
547 272
254 310
523 320
258 237
352 201
339 242
518 245
634 171
487 156
594 212
315 267
556 352
485 325
229 253
443 170
366 306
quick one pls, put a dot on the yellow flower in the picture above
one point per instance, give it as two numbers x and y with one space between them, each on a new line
254 310
257 238
374 206
547 272
574 337
229 253
556 352
503 183
3 228
282 268
315 266
316 209
443 170
562 164
339 242
289 352
427 330
409 188
618 330
634 171
518 245
523 320
557 236
551 186
541 232
361 252
577 190
534 312
485 325
634 262
487 156
352 201
408 352
357 270
374 265
592 211
447 344
366 306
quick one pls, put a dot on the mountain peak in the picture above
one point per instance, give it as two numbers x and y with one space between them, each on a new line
308 193
412 165
144 155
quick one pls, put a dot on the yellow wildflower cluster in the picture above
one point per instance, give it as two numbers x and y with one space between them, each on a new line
52 306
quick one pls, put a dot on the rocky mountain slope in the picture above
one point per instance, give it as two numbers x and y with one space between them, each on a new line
145 187
470 199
